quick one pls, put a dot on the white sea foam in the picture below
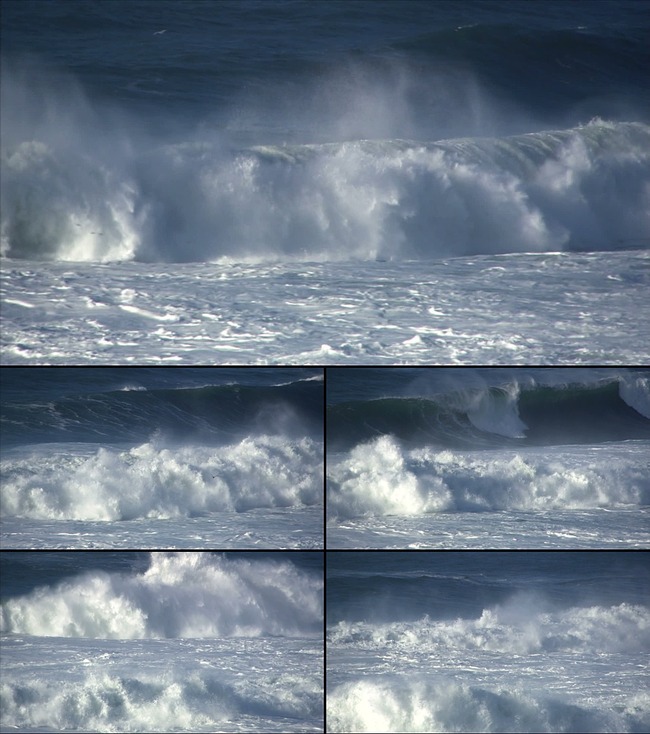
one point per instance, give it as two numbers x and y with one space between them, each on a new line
64 199
521 626
271 685
181 595
157 482
384 478
407 704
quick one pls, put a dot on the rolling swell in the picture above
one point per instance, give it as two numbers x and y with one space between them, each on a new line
511 415
583 188
183 595
216 413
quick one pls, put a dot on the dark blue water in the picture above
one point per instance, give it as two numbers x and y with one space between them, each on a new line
487 407
382 587
251 66
119 405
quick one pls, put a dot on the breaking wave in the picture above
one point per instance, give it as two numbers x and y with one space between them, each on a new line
409 704
515 627
167 702
583 188
181 595
613 409
382 477
154 481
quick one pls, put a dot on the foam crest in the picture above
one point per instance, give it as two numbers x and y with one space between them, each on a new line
383 478
635 391
409 704
362 199
156 482
180 595
517 627
496 411
141 702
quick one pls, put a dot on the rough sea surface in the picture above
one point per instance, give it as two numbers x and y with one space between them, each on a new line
132 457
325 182
464 457
135 642
488 641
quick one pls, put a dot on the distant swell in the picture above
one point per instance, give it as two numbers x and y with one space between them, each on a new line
180 595
153 481
384 478
584 188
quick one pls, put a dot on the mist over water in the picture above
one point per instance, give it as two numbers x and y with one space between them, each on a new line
486 642
144 642
167 176
405 149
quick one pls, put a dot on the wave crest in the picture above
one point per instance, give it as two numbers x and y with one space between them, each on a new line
180 595
584 188
155 482
382 477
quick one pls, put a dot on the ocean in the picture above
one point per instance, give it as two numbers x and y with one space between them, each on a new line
120 641
136 457
337 182
489 641
465 457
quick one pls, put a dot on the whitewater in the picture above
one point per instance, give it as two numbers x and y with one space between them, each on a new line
457 186
179 642
394 252
488 458
487 642
163 457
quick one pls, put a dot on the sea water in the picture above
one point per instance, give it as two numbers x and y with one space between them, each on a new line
162 457
488 458
325 182
133 642
488 641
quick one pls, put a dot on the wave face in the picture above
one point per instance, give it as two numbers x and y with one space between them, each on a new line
474 441
583 188
461 642
127 444
183 595
131 406
521 411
